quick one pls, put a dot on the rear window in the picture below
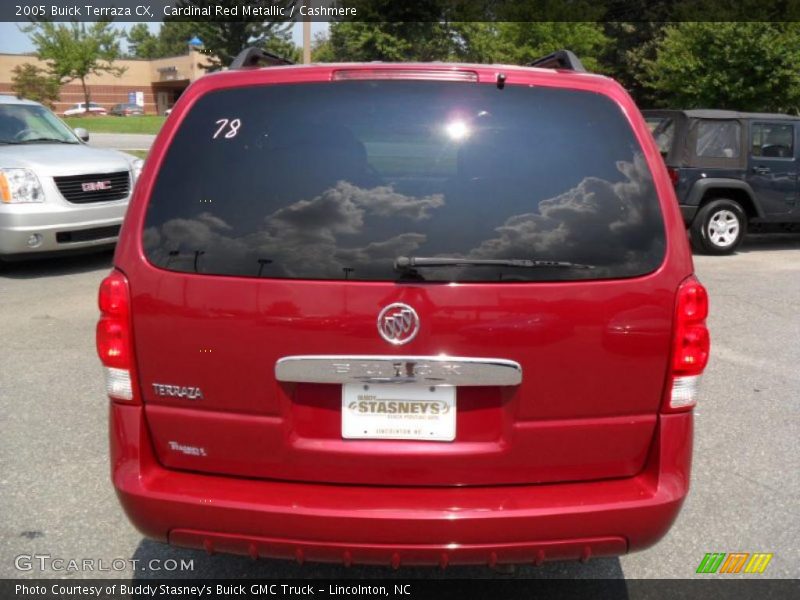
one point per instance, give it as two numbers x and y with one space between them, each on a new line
718 139
338 180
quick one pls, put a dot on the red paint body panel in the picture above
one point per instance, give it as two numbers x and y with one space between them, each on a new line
467 523
595 357
542 451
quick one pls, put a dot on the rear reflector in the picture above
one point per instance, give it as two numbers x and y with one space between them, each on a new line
684 391
690 346
118 383
114 337
420 74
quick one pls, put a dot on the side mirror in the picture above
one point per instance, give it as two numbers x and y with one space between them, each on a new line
82 133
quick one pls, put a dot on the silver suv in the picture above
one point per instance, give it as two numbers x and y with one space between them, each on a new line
57 193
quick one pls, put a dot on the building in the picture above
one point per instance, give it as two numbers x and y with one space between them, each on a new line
157 83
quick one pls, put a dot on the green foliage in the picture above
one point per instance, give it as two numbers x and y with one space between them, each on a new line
174 36
520 43
515 43
631 43
142 43
403 41
731 65
223 39
76 50
321 50
172 39
33 83
392 31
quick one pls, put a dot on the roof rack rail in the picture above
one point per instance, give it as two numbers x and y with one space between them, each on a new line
560 59
255 57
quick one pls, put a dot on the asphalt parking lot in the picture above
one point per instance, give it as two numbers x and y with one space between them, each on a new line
122 141
56 499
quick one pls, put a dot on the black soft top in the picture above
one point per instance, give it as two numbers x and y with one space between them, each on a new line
705 113
682 151
711 113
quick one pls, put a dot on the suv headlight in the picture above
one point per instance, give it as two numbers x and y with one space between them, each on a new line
20 185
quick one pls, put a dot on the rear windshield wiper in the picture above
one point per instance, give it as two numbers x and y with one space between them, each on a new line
403 263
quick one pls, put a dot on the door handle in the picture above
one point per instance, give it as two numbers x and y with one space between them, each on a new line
761 170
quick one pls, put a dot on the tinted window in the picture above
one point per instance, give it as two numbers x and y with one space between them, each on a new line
336 180
718 139
773 140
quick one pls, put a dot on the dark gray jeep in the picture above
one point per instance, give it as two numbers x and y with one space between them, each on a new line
732 172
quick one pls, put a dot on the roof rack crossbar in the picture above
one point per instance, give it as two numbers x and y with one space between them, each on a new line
256 57
560 59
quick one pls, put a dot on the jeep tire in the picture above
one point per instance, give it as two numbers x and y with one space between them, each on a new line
719 227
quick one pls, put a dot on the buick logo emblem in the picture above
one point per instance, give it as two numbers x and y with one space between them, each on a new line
398 323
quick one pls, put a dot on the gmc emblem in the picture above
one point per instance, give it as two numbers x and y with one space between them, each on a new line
96 186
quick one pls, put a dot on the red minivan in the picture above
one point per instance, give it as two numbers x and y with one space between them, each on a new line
403 314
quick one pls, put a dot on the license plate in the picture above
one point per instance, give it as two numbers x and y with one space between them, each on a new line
394 411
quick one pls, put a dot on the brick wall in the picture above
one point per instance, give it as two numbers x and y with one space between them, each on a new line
104 95
108 90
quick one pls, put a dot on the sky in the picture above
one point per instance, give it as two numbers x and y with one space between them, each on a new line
13 41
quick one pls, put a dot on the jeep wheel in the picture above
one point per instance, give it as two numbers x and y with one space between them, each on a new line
719 227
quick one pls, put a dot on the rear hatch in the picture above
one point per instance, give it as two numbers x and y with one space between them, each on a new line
282 332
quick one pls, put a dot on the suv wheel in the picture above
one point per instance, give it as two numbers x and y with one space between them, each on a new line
719 227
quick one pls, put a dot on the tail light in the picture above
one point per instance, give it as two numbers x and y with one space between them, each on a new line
690 346
674 175
114 345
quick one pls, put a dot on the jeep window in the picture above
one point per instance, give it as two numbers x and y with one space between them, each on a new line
772 140
337 180
663 130
718 138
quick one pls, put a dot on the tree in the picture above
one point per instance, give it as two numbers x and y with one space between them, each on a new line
390 41
392 31
321 50
482 42
172 39
174 36
33 83
225 38
77 50
633 43
142 43
520 43
733 65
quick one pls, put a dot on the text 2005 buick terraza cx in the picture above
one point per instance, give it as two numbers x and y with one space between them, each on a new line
403 314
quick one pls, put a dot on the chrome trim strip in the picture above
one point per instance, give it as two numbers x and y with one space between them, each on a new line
423 370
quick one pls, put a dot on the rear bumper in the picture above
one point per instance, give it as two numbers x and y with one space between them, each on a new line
400 525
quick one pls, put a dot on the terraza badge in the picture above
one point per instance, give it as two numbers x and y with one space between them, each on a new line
178 391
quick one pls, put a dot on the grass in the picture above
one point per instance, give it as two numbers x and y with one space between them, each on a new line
137 153
144 124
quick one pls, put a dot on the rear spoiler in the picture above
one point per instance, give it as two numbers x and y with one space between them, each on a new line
256 57
560 59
